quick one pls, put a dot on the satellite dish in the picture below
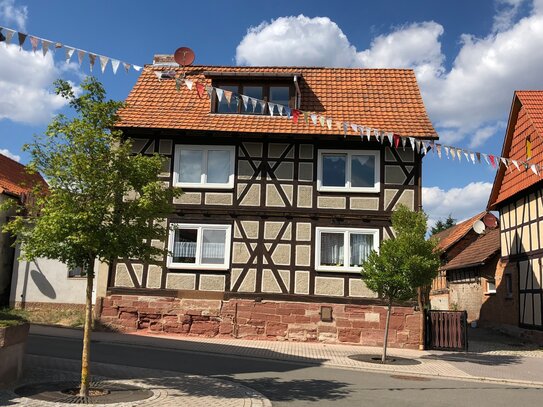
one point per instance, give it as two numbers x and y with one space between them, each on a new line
184 56
479 227
490 221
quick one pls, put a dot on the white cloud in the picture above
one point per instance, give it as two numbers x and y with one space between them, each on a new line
461 203
9 154
26 86
9 13
466 101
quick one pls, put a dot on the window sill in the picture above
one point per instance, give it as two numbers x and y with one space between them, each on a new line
348 190
490 293
204 186
182 266
350 270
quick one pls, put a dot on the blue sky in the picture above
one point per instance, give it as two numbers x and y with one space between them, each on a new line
469 57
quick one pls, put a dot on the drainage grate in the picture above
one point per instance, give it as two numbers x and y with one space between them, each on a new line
390 360
103 392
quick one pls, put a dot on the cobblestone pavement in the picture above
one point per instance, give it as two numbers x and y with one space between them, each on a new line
169 389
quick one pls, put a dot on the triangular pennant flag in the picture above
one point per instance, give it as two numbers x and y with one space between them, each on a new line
115 65
466 154
313 118
22 38
80 56
478 155
209 90
486 158
515 163
45 46
295 115
472 155
339 126
453 152
271 107
412 142
345 129
438 149
9 35
58 45
92 60
504 161
390 138
446 151
178 84
159 75
136 68
126 66
262 105
188 82
354 127
2 36
417 146
288 111
69 53
404 142
220 94
396 140
459 154
228 96
103 62
492 160
432 146
534 169
254 102
35 41
280 108
329 124
245 99
200 88
322 120
368 133
423 147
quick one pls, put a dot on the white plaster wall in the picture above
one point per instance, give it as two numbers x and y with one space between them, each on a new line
46 280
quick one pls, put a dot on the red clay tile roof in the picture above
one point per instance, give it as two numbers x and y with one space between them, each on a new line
525 120
478 252
450 236
14 179
385 99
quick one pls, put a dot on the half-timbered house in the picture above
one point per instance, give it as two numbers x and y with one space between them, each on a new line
276 215
518 197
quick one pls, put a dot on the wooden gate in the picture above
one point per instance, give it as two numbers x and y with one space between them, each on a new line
446 330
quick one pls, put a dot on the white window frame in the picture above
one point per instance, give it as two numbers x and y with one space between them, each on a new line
347 188
203 179
198 265
488 289
347 247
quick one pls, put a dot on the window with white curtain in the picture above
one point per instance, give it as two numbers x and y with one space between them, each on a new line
344 249
351 171
204 166
199 246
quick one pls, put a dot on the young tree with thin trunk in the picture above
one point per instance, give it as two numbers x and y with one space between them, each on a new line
403 264
103 201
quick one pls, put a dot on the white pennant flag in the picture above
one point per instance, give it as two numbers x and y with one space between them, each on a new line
45 46
329 124
368 133
424 147
69 53
412 141
534 169
314 118
245 101
80 56
103 62
158 75
115 65
486 158
472 155
280 108
220 93
136 68
516 164
254 102
126 66
504 161
438 149
390 137
404 142
354 127
271 108
188 84
262 105
417 144
453 152
446 151
466 155
92 59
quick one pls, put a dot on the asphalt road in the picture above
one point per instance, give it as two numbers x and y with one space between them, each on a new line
293 384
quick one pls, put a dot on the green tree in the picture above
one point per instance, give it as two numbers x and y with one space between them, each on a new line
103 202
440 225
403 263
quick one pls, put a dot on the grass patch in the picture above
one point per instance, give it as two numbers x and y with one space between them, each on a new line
11 317
73 318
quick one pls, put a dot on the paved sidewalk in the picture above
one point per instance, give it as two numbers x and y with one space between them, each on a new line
169 388
508 368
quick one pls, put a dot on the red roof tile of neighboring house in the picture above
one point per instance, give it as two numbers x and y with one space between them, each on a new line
385 99
525 120
14 179
478 252
450 236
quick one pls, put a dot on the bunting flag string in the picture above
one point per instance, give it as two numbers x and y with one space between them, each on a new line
420 146
7 34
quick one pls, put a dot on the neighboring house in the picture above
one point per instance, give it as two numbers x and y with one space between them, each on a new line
276 217
517 195
40 283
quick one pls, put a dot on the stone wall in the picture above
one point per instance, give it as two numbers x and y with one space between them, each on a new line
270 320
12 351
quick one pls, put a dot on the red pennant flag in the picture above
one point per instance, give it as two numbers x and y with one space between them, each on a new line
396 140
200 88
295 114
492 160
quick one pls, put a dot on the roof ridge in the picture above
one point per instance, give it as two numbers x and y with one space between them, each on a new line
284 67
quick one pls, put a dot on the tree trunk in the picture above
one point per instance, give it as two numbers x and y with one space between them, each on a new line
85 356
422 306
385 339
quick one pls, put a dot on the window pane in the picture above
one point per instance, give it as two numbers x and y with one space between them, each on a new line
190 166
184 247
213 245
361 246
279 95
223 106
362 170
333 170
332 249
256 93
218 166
